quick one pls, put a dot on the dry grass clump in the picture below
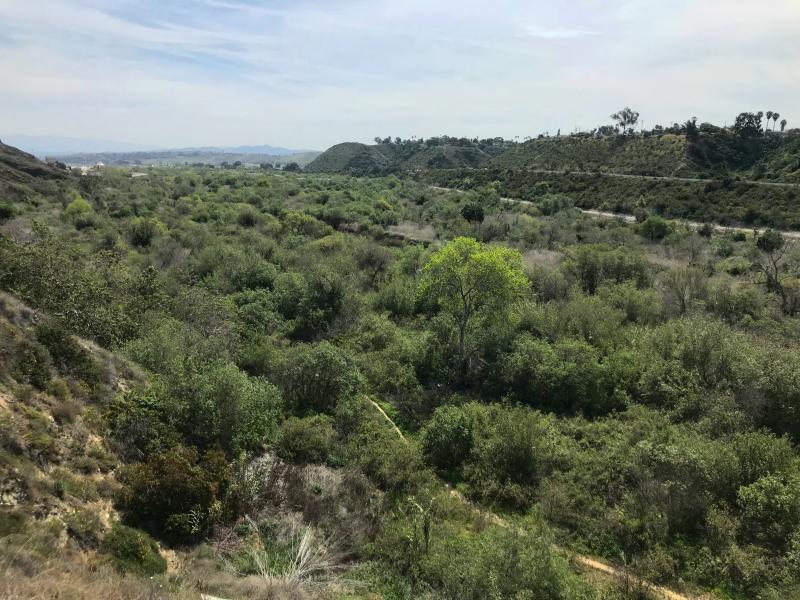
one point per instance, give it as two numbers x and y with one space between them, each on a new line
25 574
541 257
413 231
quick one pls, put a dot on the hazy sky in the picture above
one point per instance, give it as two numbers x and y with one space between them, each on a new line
310 73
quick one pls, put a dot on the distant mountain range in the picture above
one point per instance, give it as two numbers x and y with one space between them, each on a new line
57 147
265 149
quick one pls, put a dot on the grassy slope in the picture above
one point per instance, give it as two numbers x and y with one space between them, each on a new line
664 156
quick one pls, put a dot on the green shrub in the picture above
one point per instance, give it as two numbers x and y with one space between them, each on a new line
251 272
771 509
176 492
306 440
7 211
84 527
654 228
68 355
592 264
31 363
398 296
142 231
315 377
513 451
447 437
78 208
133 551
565 377
495 563
248 217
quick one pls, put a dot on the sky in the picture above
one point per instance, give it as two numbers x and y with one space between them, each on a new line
312 73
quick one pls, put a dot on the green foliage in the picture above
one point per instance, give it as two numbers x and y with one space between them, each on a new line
654 228
502 453
591 265
142 231
7 210
465 274
220 405
495 563
770 241
306 440
316 377
668 375
68 355
472 212
133 551
771 509
27 362
176 492
447 437
467 280
565 378
77 208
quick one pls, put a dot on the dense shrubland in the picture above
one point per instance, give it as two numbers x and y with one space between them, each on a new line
727 201
629 391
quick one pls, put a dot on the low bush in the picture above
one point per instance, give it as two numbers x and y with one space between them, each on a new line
306 440
133 551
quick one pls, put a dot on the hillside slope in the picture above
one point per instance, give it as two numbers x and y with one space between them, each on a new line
715 154
21 173
353 158
666 155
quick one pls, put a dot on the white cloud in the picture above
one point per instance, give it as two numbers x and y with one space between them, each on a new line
558 33
311 73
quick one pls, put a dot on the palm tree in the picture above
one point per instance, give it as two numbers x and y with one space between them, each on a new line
775 117
783 124
769 118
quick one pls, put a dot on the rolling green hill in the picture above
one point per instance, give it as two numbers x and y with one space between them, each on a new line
713 153
353 158
361 159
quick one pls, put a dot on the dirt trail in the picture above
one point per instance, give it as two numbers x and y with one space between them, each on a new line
600 214
388 419
657 591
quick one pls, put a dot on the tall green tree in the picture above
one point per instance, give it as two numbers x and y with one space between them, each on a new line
468 279
626 119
